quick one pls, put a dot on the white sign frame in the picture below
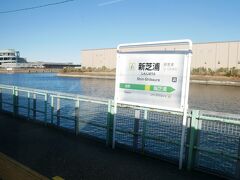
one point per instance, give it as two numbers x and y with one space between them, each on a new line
187 61
185 85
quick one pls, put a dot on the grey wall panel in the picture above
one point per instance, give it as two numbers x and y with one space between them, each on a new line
238 55
233 54
222 55
208 55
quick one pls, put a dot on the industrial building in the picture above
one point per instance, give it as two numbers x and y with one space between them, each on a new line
213 55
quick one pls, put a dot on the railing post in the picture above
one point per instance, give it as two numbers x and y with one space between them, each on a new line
15 101
52 109
58 111
193 139
238 161
45 108
28 101
110 117
34 106
13 96
144 129
136 129
77 116
0 99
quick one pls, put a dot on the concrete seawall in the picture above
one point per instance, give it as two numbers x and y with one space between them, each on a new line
205 80
87 76
212 82
29 70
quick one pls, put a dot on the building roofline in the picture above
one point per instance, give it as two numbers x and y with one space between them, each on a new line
8 50
210 42
98 49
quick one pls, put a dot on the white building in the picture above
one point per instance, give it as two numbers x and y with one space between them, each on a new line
10 58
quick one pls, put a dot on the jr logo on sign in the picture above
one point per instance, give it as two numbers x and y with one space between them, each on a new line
132 66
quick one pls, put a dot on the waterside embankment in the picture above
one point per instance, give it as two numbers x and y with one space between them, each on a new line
195 79
98 75
215 80
29 70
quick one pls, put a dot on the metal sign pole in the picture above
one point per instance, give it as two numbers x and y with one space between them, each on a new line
184 124
139 87
115 103
183 138
114 124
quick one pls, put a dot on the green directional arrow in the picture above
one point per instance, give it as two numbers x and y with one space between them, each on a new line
167 89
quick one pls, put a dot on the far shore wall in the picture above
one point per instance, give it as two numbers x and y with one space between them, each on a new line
30 70
212 55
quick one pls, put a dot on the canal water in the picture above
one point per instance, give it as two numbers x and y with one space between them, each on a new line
203 97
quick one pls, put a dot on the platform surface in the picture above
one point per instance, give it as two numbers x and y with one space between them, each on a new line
53 152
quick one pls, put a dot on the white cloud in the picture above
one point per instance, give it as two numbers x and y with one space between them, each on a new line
109 2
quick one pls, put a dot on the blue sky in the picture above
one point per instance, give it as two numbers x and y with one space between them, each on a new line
59 33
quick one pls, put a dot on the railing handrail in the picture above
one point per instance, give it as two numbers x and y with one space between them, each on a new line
55 93
207 115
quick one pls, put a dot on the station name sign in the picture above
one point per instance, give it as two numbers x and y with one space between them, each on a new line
152 79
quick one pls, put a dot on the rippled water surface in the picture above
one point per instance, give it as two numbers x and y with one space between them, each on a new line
207 97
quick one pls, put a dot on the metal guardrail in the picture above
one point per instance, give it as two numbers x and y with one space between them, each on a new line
212 139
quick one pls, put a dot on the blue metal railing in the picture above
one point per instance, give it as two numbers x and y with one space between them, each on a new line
212 139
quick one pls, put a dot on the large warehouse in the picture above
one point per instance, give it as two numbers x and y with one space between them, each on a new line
212 55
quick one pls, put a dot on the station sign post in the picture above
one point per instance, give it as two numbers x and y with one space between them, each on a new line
156 79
